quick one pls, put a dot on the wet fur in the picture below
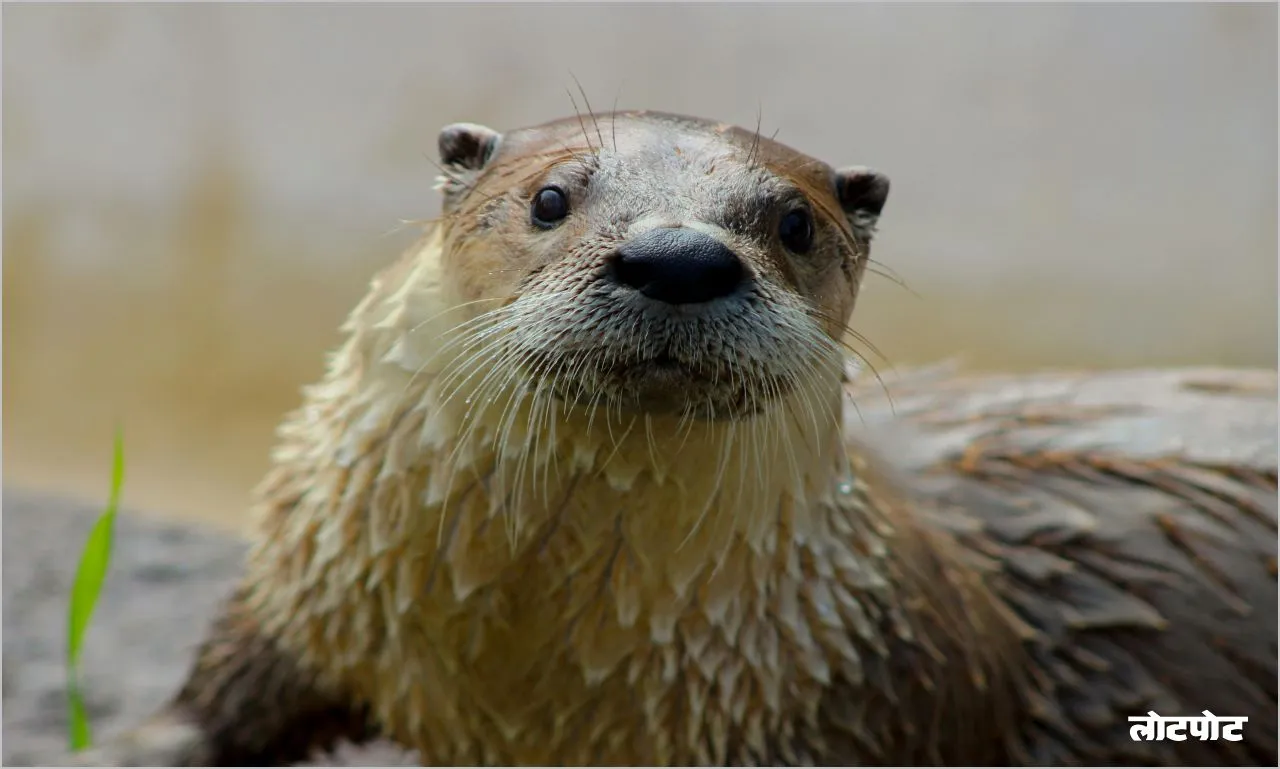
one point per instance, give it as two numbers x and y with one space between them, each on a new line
485 539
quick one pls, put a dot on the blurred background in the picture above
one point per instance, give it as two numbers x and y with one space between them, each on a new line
195 195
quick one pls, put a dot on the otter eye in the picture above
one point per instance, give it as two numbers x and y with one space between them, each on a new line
796 231
549 207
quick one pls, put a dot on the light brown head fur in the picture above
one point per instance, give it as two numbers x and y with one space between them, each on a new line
551 299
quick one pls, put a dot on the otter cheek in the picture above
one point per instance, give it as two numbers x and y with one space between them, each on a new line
839 307
836 292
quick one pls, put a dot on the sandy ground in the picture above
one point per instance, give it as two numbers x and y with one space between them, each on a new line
164 583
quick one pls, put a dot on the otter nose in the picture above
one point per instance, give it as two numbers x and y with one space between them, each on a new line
678 266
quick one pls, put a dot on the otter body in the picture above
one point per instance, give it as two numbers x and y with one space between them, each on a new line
586 485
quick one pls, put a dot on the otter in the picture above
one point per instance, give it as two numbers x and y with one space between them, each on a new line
589 482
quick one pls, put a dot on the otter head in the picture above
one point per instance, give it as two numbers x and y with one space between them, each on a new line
654 263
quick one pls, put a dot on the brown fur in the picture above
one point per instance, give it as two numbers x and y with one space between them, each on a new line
522 551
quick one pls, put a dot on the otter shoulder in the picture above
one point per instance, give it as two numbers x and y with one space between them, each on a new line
1132 520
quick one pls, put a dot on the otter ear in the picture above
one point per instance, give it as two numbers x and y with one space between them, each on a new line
862 192
465 148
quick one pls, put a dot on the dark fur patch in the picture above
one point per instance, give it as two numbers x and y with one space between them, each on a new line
256 705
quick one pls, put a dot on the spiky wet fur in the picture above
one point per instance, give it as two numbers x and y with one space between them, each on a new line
510 579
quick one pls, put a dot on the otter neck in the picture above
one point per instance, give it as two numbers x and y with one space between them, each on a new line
389 446
501 563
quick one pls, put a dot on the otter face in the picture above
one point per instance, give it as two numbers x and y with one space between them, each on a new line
656 263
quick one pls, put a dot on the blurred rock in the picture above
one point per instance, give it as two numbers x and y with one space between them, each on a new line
164 583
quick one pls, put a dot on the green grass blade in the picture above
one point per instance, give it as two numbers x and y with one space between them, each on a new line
78 726
90 575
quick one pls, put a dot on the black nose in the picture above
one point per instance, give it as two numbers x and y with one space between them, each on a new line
678 266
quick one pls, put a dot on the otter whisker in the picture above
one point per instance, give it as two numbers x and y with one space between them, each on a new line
581 122
509 479
450 359
609 405
543 428
617 444
853 402
613 117
587 103
483 351
591 411
685 426
649 442
847 330
551 420
744 446
879 379
454 308
516 385
809 382
857 354
776 428
541 401
514 313
465 331
788 442
574 379
494 359
729 428
532 453
401 224
538 431
445 540
479 320
880 269
755 139
469 426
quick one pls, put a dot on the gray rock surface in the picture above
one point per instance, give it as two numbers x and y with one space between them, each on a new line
164 583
